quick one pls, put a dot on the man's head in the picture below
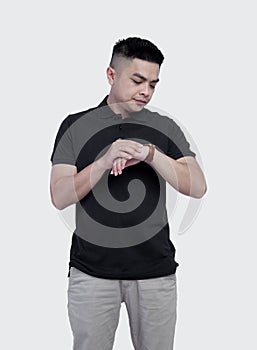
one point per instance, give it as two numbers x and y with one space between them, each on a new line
133 74
131 48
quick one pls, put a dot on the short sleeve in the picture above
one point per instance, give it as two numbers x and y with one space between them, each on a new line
63 152
178 146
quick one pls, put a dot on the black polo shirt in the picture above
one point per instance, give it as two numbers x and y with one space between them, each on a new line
122 228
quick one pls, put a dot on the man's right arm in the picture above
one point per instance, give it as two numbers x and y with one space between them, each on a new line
67 186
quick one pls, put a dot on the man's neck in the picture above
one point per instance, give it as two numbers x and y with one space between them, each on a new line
116 107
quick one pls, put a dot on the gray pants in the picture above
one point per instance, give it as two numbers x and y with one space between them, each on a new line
94 308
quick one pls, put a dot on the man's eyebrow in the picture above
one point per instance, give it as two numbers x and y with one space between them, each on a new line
138 75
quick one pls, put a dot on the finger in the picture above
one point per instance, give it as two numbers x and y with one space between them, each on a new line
134 146
124 154
117 169
132 161
132 143
123 163
124 141
131 149
131 152
129 143
114 168
119 166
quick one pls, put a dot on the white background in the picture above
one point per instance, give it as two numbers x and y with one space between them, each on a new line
53 60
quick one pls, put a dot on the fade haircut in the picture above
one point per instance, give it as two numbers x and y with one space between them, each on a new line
131 48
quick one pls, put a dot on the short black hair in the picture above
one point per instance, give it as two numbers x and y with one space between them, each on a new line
134 47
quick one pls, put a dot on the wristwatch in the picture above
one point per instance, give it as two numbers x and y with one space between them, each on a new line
150 155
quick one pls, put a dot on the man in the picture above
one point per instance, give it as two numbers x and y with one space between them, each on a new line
113 161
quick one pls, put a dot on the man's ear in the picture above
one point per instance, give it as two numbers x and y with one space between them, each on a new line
110 75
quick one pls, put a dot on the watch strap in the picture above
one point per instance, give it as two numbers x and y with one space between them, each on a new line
150 155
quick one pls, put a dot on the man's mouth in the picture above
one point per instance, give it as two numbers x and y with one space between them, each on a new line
142 102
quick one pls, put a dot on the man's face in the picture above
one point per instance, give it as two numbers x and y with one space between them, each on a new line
133 83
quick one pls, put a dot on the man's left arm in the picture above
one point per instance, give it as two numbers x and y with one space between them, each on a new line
183 174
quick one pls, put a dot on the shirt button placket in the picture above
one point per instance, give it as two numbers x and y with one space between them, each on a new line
120 129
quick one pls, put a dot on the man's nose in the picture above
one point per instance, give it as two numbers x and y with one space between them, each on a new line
145 89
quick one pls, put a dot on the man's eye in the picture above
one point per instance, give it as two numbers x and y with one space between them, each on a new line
136 82
152 86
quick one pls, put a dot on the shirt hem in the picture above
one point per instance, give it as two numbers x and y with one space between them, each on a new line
124 275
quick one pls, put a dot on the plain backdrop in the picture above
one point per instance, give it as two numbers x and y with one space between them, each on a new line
53 60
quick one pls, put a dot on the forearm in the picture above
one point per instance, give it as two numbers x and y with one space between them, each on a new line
184 177
71 189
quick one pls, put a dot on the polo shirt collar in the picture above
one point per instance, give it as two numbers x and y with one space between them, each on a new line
108 112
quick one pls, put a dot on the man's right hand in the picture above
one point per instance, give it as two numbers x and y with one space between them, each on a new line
121 148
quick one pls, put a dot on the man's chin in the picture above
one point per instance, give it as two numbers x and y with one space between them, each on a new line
133 107
137 107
